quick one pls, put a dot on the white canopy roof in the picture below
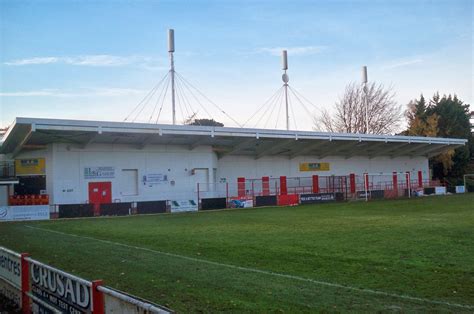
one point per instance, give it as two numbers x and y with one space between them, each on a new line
34 133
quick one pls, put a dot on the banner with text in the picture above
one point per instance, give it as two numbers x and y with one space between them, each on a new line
10 267
99 173
183 206
27 212
317 198
62 291
314 166
28 167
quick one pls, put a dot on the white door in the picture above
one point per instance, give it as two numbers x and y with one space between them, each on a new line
129 182
201 176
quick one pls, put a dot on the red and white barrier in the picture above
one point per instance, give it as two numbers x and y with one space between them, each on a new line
43 288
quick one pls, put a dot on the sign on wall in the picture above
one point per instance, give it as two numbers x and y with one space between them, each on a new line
27 212
99 173
31 166
62 291
155 179
10 267
314 166
183 206
317 198
440 190
460 189
241 203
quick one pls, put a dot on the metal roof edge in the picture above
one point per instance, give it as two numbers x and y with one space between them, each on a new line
112 126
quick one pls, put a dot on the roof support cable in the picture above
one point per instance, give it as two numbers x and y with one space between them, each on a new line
306 99
180 99
302 104
192 114
153 90
207 98
293 113
194 96
150 98
158 100
277 104
278 114
262 106
276 99
145 103
180 106
280 99
162 102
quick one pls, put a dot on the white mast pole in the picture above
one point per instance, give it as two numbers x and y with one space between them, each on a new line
285 79
171 51
366 102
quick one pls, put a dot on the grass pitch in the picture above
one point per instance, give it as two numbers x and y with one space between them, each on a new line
402 255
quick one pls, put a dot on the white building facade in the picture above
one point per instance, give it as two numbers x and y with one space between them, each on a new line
143 162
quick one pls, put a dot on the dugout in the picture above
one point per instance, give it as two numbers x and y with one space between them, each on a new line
97 162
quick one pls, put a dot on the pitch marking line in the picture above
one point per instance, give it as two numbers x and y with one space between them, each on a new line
265 272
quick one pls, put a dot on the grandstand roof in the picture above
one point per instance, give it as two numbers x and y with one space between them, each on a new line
35 133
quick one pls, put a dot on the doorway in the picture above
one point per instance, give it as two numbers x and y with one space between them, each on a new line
100 193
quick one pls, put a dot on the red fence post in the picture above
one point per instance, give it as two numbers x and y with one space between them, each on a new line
97 298
366 181
283 188
265 185
395 182
25 284
352 180
241 187
315 184
420 179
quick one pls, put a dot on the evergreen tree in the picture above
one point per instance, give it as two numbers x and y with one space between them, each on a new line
453 122
445 116
419 122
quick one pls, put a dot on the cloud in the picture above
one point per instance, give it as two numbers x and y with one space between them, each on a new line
294 51
42 60
91 60
402 63
86 92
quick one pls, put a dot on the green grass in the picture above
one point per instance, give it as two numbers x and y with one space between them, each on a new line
422 248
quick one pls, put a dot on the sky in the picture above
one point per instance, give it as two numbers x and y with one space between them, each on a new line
97 60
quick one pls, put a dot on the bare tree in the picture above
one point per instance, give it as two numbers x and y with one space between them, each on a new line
384 114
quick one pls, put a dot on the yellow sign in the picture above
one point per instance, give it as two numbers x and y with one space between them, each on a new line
28 167
314 166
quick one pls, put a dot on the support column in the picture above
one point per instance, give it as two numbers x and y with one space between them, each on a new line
283 187
265 186
395 182
315 184
352 182
241 187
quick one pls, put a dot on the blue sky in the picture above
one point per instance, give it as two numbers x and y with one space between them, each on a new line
98 59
